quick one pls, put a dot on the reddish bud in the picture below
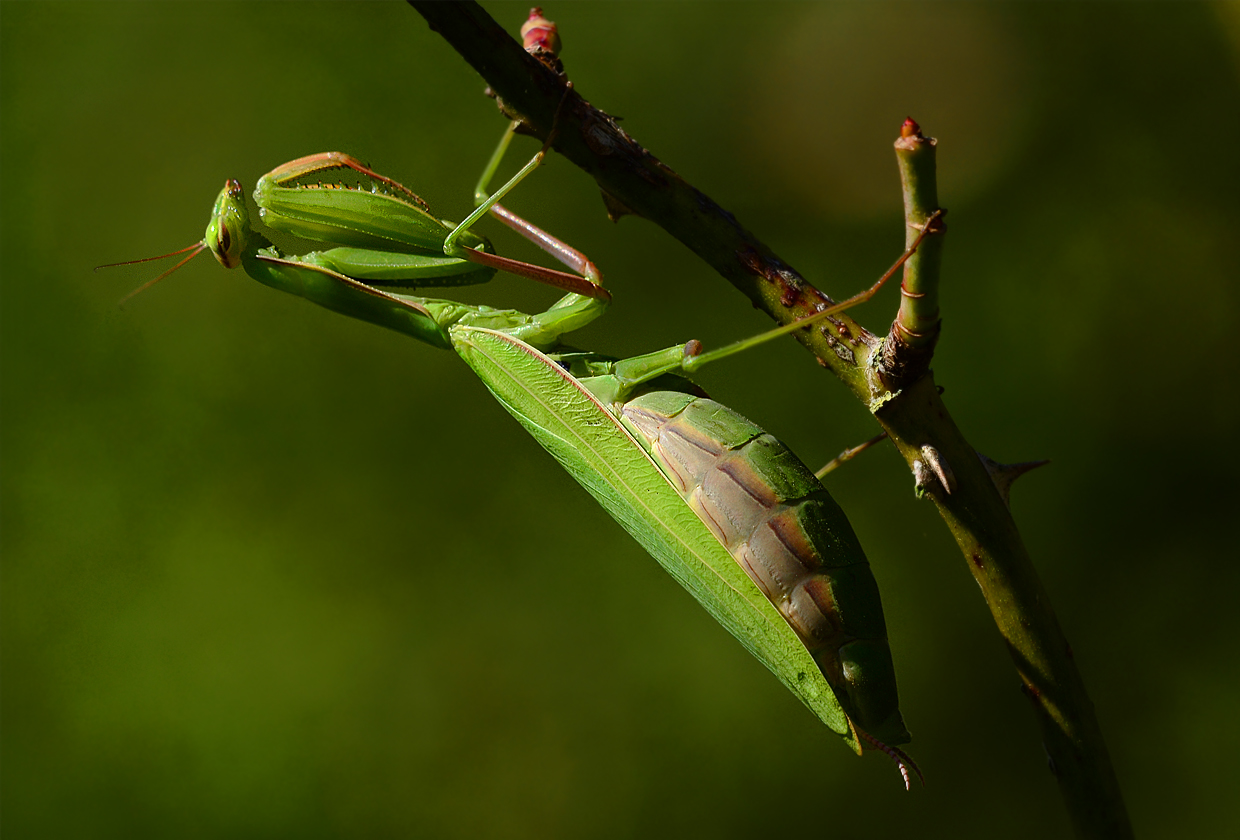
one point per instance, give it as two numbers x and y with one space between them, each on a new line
538 33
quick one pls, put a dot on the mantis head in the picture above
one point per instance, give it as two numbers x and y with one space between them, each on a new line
229 229
228 234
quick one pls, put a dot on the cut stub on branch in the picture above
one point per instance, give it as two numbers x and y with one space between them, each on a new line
910 342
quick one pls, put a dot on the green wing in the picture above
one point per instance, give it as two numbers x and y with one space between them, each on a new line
590 443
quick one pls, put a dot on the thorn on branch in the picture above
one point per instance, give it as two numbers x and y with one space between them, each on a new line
1003 475
930 472
616 209
939 466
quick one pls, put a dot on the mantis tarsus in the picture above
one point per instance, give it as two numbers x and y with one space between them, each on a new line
730 512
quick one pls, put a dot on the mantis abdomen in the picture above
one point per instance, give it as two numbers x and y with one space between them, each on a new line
791 538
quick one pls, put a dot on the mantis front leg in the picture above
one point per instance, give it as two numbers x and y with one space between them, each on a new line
398 219
381 237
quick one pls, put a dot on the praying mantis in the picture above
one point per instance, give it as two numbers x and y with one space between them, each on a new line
732 514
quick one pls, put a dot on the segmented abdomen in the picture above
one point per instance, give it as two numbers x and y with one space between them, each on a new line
770 512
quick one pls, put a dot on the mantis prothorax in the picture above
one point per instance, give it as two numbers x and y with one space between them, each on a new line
730 512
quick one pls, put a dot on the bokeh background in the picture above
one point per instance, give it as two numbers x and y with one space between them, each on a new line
268 572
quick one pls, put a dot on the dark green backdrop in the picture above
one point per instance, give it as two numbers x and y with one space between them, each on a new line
270 572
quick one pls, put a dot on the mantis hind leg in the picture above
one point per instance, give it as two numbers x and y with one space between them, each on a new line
686 358
697 360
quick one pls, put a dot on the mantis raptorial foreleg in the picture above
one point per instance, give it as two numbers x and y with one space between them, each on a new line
384 235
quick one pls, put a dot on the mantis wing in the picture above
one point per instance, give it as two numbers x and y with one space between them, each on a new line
590 443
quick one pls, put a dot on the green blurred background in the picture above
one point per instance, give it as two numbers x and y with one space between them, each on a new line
269 572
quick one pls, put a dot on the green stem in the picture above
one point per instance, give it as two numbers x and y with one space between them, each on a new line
979 519
919 308
914 332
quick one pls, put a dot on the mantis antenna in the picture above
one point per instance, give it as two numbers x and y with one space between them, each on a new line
197 248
